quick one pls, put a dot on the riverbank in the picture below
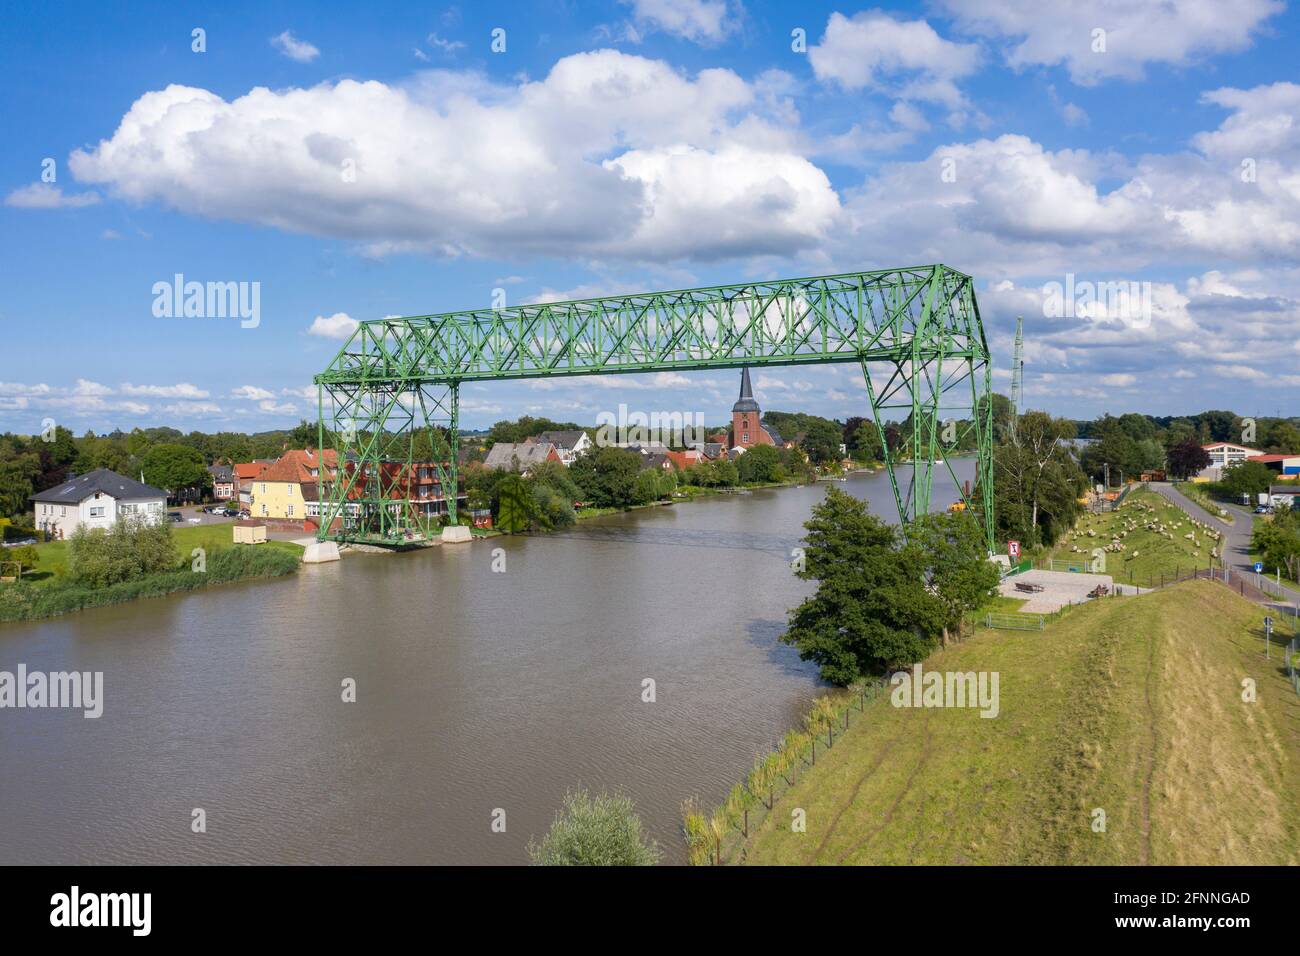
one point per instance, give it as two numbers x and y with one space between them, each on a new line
1116 708
30 601
210 537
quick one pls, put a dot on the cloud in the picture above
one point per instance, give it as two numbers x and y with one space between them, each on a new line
251 393
902 58
49 196
193 409
297 50
180 390
1172 33
591 161
340 325
438 43
89 388
700 21
277 408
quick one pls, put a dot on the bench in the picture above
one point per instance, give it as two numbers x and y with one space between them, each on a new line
1028 588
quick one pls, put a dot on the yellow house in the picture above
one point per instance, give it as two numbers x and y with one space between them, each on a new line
278 491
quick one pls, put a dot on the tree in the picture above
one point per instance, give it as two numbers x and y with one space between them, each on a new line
19 470
551 509
866 442
27 557
1187 458
1033 472
1244 478
515 505
595 831
608 477
760 465
175 468
958 569
1278 542
871 609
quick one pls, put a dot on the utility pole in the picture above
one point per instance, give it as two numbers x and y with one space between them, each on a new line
1017 372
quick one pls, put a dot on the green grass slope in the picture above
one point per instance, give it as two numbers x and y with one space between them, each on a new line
1133 706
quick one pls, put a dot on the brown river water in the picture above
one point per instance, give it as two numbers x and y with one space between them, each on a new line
476 691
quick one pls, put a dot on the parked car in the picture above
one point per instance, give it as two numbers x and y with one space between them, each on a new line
1262 509
175 516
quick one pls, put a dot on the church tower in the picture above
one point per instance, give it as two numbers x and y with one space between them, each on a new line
746 431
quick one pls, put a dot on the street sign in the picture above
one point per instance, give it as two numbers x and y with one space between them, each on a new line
1259 566
1013 549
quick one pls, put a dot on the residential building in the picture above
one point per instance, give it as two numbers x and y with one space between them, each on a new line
245 473
224 486
684 459
520 456
569 444
277 491
96 500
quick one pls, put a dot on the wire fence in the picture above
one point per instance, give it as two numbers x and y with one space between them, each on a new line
1015 621
722 836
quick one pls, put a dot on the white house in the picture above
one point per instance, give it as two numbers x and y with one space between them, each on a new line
569 444
96 500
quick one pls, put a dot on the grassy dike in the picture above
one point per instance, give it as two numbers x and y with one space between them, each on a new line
1131 705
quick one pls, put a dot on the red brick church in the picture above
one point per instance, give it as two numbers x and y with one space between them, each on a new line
747 428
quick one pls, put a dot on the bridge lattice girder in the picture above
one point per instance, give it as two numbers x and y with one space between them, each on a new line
916 333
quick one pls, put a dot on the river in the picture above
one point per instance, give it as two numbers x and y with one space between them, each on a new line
477 691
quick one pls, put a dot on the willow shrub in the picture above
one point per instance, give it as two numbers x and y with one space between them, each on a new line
595 831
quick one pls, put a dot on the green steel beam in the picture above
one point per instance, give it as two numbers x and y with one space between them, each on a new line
398 379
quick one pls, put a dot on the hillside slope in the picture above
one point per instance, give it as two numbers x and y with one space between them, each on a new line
1133 706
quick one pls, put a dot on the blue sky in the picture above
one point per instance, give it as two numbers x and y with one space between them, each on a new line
640 145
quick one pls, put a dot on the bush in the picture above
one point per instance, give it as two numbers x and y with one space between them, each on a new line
99 557
595 831
23 601
551 510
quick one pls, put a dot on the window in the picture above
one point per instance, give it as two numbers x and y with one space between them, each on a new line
63 510
264 492
264 511
97 512
291 511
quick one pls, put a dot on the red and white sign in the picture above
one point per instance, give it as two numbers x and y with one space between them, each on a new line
1013 549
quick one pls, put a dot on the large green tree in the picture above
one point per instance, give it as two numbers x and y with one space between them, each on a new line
175 467
872 609
1036 482
760 465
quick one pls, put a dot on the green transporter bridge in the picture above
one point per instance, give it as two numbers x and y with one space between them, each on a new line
389 403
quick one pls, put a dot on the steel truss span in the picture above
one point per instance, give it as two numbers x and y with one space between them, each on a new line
389 401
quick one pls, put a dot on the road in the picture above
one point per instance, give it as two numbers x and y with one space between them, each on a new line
1236 536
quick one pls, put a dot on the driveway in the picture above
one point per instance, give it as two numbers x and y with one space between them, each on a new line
1236 536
